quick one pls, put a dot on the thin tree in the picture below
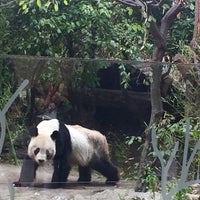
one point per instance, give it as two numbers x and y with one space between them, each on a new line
193 88
195 42
158 30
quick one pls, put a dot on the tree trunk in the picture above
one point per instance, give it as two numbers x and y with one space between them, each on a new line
193 83
196 34
156 113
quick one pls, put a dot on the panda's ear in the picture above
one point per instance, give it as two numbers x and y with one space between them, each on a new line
55 135
33 131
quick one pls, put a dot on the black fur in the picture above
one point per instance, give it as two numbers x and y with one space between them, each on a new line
101 165
107 169
84 174
28 172
62 159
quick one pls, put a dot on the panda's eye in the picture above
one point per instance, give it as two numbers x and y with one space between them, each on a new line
48 155
36 151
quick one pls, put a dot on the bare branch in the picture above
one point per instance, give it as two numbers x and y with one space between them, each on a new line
169 17
157 36
161 34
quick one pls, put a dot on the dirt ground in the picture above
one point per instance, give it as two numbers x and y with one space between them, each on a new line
97 190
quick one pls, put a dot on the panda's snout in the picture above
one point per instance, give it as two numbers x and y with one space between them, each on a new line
41 161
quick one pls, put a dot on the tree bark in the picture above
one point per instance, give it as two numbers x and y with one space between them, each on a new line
193 83
156 116
190 73
196 34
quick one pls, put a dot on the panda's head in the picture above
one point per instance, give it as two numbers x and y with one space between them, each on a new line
42 144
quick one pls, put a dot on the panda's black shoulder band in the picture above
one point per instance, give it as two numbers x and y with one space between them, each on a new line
65 137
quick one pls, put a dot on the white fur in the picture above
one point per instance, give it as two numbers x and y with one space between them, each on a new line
44 142
82 149
48 126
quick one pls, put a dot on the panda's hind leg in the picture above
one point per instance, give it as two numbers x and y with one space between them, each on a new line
107 169
84 174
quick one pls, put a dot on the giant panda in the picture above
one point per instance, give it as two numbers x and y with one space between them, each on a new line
67 145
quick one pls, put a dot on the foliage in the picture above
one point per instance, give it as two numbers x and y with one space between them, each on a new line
182 193
52 73
6 82
122 149
186 51
25 4
77 29
85 29
151 179
7 86
169 132
125 77
181 30
84 74
15 128
176 101
130 139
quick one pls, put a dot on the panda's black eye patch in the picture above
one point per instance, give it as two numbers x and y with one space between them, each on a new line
36 151
48 155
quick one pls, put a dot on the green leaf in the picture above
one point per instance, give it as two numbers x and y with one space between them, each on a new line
65 2
192 7
22 2
39 4
24 7
165 6
56 7
59 31
48 3
130 11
